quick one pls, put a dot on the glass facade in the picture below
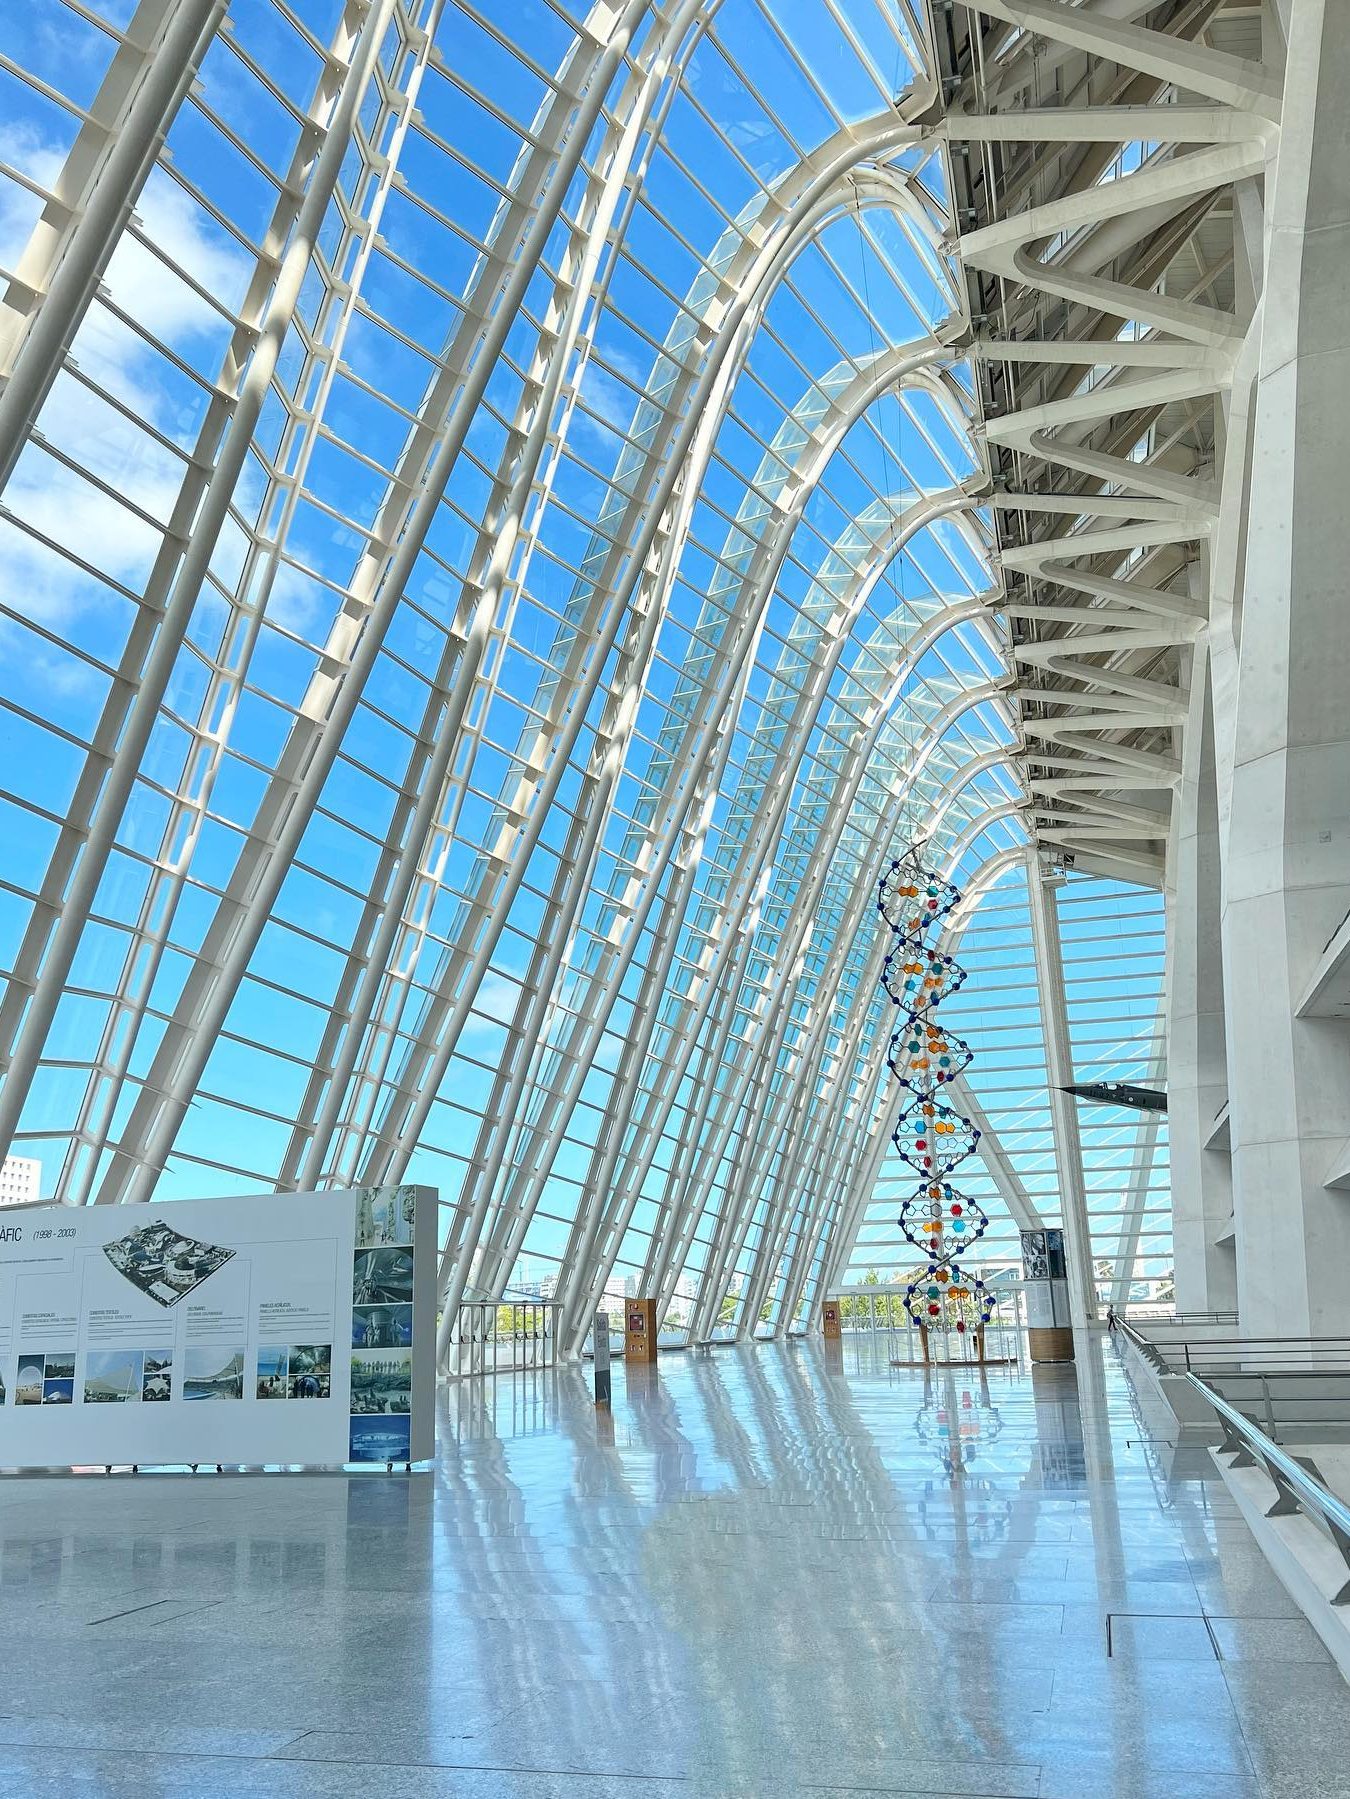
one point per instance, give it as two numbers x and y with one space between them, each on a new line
494 564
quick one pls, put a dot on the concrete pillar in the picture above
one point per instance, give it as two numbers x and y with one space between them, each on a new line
1063 1106
1288 864
1197 1072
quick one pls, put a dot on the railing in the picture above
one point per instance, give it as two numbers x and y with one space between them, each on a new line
1196 1320
878 1315
504 1336
1165 1339
1296 1490
1293 1388
1151 1354
1233 1354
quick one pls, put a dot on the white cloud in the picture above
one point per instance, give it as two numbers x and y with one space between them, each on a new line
53 499
141 285
496 1000
22 146
296 602
66 509
612 402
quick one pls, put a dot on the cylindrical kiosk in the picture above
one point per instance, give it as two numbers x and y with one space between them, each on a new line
1049 1327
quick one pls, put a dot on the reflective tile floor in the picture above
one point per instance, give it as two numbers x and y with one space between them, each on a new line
774 1571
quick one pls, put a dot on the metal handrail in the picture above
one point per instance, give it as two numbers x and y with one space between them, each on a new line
1292 1355
1146 1349
1247 1339
1253 1354
477 1335
1297 1491
1273 1374
1189 1318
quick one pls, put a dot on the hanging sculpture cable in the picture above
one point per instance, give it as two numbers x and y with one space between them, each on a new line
932 1137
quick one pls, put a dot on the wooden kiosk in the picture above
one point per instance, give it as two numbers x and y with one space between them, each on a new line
639 1330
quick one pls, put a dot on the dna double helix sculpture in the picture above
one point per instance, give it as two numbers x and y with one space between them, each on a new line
932 1137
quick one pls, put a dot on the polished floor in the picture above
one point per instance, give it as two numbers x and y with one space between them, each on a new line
774 1571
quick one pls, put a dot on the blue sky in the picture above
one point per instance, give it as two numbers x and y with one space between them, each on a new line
90 502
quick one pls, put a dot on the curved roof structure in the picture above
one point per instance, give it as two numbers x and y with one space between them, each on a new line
498 555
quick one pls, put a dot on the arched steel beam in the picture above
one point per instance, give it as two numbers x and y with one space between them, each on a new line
118 742
383 574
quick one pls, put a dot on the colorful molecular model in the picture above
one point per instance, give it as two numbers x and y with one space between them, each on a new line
931 1136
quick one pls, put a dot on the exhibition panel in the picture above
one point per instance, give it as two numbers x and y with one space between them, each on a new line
308 1320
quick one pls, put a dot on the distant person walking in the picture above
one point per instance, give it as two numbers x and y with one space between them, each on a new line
1110 1317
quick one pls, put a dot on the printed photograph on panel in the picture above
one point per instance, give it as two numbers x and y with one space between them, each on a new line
163 1263
296 1371
213 1373
113 1376
381 1380
272 1373
385 1439
158 1381
28 1386
382 1277
311 1370
58 1392
384 1216
382 1327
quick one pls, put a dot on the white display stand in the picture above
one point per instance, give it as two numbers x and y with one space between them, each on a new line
273 1330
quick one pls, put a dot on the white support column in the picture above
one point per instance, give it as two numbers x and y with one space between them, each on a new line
317 732
125 728
852 1213
650 534
426 805
1147 1131
858 1180
700 1146
1287 873
1063 1106
1197 1076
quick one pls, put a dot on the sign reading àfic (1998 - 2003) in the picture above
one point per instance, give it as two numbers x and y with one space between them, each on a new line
276 1329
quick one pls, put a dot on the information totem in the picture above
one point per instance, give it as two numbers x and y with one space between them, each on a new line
1049 1327
830 1321
639 1330
600 1357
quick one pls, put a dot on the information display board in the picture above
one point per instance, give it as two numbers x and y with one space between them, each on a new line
273 1329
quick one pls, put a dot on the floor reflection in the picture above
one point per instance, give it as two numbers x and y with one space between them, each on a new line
773 1569
958 1417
